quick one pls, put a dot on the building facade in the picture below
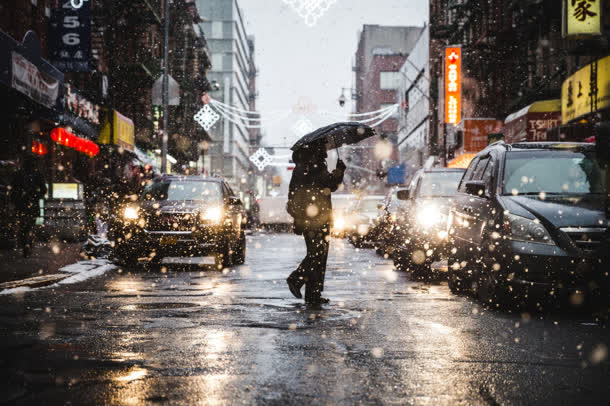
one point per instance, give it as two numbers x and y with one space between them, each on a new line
232 67
414 94
382 51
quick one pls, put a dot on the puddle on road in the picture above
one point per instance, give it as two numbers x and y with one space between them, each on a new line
158 306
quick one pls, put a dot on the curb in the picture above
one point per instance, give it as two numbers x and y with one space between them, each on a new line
35 282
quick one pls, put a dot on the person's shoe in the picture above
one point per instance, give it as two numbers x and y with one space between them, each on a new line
317 301
296 292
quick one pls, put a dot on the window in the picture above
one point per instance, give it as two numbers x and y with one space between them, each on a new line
217 31
217 64
468 175
180 191
388 80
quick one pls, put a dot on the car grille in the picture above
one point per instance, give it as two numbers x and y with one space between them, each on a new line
589 239
171 222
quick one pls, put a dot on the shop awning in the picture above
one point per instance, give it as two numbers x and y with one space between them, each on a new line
544 106
531 122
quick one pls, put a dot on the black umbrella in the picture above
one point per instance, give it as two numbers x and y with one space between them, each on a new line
336 135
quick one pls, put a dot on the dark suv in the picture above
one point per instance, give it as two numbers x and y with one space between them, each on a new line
530 219
184 216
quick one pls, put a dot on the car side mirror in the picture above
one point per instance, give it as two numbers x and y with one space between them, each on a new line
234 201
403 194
475 188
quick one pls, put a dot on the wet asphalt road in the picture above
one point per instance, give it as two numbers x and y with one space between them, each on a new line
239 337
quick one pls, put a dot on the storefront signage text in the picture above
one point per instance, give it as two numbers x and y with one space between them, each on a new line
581 18
35 84
81 107
575 92
122 134
70 35
453 86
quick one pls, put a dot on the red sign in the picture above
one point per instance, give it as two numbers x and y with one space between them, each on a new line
67 139
39 148
453 85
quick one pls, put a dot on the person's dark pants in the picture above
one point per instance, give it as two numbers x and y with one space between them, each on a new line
25 225
312 269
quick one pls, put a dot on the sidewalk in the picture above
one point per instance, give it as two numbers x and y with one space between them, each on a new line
46 259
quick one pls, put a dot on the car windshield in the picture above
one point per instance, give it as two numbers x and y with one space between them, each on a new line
369 205
182 190
439 184
552 172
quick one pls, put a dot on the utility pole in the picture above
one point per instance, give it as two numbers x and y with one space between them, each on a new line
165 94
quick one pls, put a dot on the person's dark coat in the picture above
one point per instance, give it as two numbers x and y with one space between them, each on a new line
310 189
27 189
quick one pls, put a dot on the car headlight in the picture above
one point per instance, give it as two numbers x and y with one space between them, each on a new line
213 215
523 229
130 213
339 223
430 216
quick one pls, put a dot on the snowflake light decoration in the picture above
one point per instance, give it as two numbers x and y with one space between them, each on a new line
310 10
301 127
206 117
261 159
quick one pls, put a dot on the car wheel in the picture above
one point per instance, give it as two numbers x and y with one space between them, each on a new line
493 291
126 256
239 255
224 256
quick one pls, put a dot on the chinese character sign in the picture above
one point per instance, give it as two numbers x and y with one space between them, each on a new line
453 85
582 18
70 35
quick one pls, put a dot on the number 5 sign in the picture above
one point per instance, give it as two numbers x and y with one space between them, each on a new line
70 35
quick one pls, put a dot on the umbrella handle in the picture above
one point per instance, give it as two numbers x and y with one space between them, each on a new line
334 139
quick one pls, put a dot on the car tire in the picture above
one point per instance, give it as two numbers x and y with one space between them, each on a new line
239 255
224 257
126 256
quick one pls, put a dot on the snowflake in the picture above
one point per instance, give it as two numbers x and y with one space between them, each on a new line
206 117
261 159
301 127
310 10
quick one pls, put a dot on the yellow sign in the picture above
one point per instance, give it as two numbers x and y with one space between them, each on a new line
123 133
581 18
575 99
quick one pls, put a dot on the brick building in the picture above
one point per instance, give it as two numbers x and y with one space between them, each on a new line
381 53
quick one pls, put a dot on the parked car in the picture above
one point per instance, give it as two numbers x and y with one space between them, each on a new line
530 219
364 218
343 205
184 216
389 227
422 236
272 213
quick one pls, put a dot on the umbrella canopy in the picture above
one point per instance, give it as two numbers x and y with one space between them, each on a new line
336 135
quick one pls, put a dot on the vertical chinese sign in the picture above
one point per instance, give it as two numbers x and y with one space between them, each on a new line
582 19
453 85
70 35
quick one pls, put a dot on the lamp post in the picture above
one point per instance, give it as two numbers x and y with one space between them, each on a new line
342 98
165 87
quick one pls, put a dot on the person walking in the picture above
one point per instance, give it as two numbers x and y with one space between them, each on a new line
27 189
311 207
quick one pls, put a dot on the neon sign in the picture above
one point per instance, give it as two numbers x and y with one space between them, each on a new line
453 85
67 139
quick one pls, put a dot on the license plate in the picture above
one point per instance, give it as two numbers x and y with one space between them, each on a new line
169 240
190 260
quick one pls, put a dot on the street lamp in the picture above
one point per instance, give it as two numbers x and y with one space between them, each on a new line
342 98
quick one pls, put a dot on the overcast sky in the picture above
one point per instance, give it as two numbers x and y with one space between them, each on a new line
296 61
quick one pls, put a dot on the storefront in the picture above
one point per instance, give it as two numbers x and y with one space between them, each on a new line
585 100
471 137
532 122
30 88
